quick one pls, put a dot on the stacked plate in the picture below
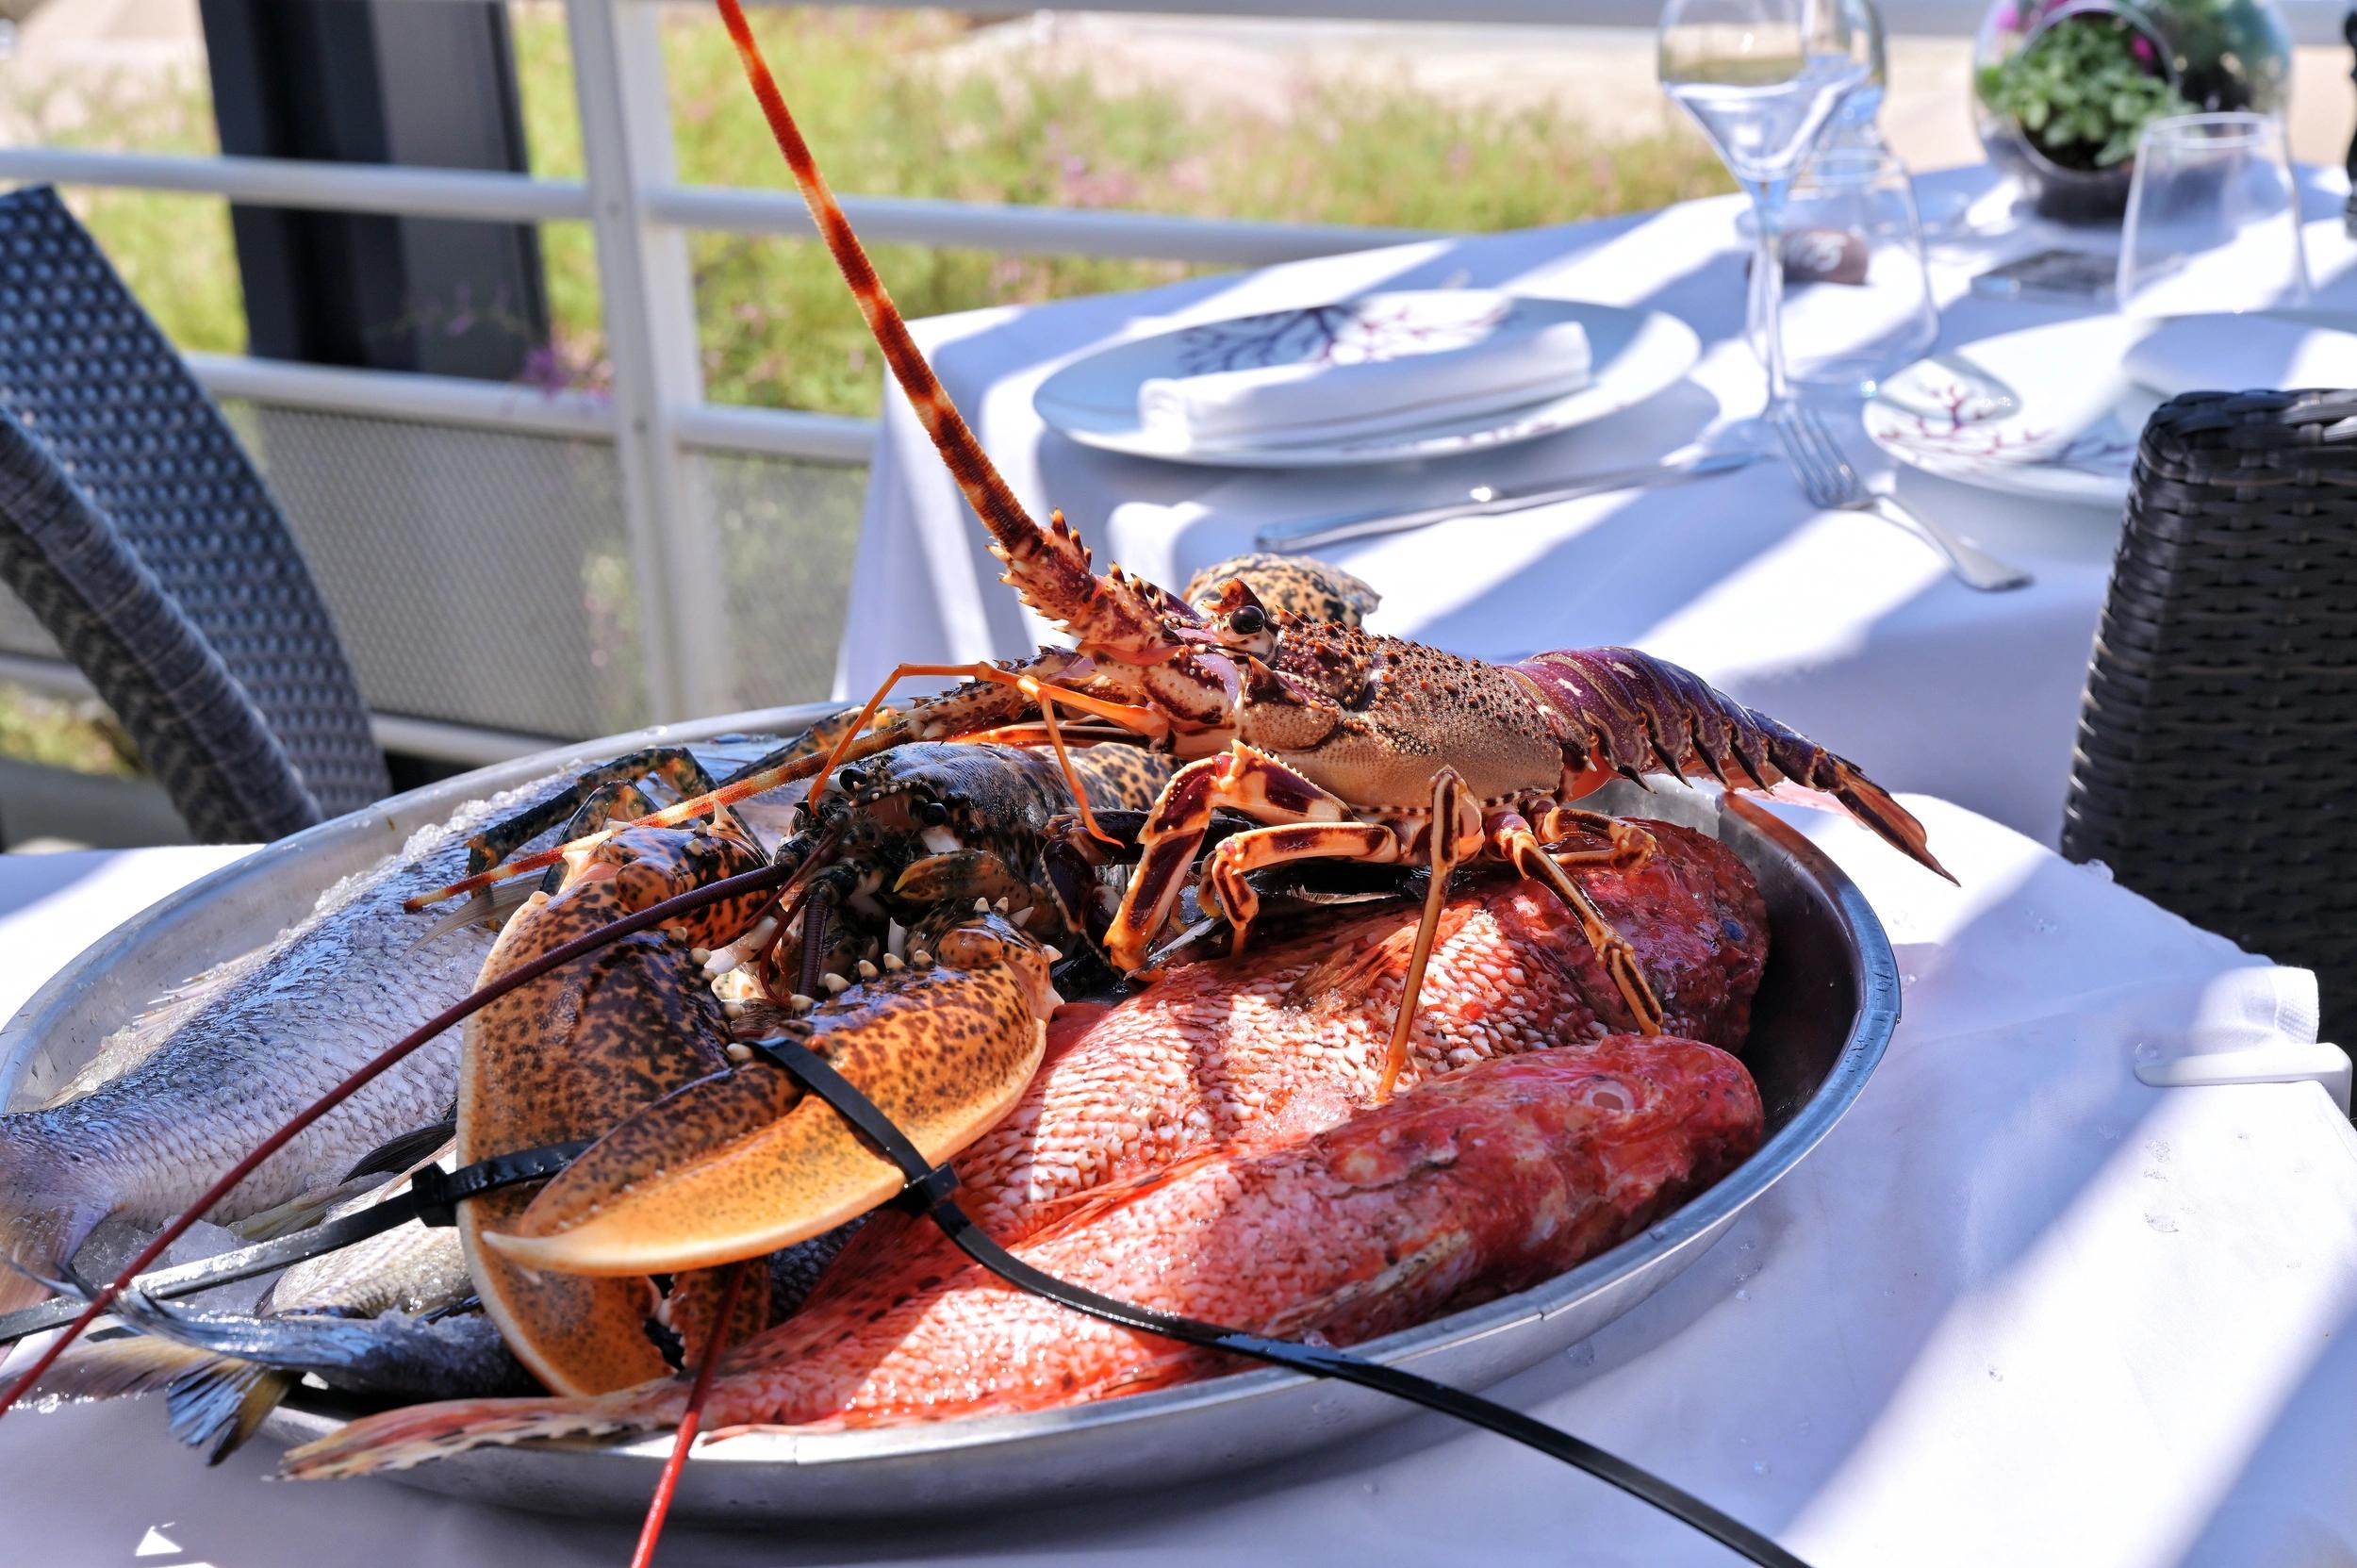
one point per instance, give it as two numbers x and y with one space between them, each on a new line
1380 378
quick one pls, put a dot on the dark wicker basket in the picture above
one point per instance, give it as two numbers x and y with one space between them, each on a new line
2218 747
137 529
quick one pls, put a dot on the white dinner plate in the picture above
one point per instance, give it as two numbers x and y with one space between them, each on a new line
1636 354
2069 433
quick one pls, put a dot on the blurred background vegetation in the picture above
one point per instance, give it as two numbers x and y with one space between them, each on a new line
881 94
904 103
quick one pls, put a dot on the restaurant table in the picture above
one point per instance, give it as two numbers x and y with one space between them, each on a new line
1837 623
2021 1305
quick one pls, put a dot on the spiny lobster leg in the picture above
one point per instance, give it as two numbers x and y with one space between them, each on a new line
1515 842
1626 843
1242 779
1454 813
1257 849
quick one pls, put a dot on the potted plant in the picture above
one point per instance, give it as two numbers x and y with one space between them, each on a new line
2065 87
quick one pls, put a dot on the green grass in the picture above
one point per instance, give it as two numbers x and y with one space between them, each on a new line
777 328
81 736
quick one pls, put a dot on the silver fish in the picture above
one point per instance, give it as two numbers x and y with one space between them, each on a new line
176 1097
379 1316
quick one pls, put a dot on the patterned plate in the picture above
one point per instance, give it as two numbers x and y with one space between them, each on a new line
2046 412
1636 354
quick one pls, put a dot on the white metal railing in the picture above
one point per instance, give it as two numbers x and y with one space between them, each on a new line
640 216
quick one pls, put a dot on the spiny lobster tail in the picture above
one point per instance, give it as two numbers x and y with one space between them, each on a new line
1635 714
1048 567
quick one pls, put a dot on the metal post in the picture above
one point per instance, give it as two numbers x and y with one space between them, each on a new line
378 85
648 299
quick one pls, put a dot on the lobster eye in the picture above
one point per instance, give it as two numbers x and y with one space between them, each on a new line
1250 620
930 814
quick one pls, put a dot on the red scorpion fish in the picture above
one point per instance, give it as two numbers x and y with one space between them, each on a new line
1288 1039
1469 1187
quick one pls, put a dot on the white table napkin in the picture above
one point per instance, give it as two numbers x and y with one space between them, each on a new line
2195 354
1399 362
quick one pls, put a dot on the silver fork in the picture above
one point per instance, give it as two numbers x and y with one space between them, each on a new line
1828 480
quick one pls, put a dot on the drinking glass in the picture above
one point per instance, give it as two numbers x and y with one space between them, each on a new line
1855 120
1762 78
2213 218
1857 302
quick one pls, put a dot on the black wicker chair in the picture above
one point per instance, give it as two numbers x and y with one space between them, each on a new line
2217 748
139 533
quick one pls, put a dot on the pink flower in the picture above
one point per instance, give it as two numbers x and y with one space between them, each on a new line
2141 47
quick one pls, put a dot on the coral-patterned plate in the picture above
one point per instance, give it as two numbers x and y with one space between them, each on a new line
2047 411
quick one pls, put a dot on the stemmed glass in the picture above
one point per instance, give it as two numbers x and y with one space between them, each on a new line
1762 78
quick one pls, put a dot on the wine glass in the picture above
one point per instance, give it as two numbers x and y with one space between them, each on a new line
1762 78
2213 220
1856 126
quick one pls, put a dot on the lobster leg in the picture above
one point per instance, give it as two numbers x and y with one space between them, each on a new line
1515 842
1256 848
1626 843
1451 803
1243 780
674 764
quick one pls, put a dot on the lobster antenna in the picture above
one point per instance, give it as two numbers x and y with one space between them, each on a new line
986 490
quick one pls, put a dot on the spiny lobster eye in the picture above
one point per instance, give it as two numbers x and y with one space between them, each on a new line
930 814
1250 620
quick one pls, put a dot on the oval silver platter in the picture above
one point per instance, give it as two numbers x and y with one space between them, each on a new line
1824 1013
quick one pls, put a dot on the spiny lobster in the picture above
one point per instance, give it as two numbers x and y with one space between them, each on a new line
1340 743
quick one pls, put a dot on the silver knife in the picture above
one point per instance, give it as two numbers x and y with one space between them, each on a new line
1484 501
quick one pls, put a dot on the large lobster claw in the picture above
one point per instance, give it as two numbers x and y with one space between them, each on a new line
742 1163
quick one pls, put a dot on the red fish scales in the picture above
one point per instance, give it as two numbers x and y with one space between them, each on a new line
1291 1039
1471 1186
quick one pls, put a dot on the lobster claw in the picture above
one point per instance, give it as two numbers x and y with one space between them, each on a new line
742 1163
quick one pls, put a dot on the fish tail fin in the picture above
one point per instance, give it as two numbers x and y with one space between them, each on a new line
48 1207
400 1439
116 1368
219 1402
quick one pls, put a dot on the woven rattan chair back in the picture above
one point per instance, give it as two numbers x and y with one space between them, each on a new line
2217 745
139 533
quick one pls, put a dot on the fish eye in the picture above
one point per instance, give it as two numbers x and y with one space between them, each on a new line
1250 620
930 814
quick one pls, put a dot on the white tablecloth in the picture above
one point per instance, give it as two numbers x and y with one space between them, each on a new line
2017 1307
1837 623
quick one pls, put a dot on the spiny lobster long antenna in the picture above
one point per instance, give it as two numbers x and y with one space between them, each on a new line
523 974
986 491
659 1508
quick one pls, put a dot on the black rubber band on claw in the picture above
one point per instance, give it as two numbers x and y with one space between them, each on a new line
435 1197
929 1192
929 1186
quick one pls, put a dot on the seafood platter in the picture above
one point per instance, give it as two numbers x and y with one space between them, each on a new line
941 1101
1823 1012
